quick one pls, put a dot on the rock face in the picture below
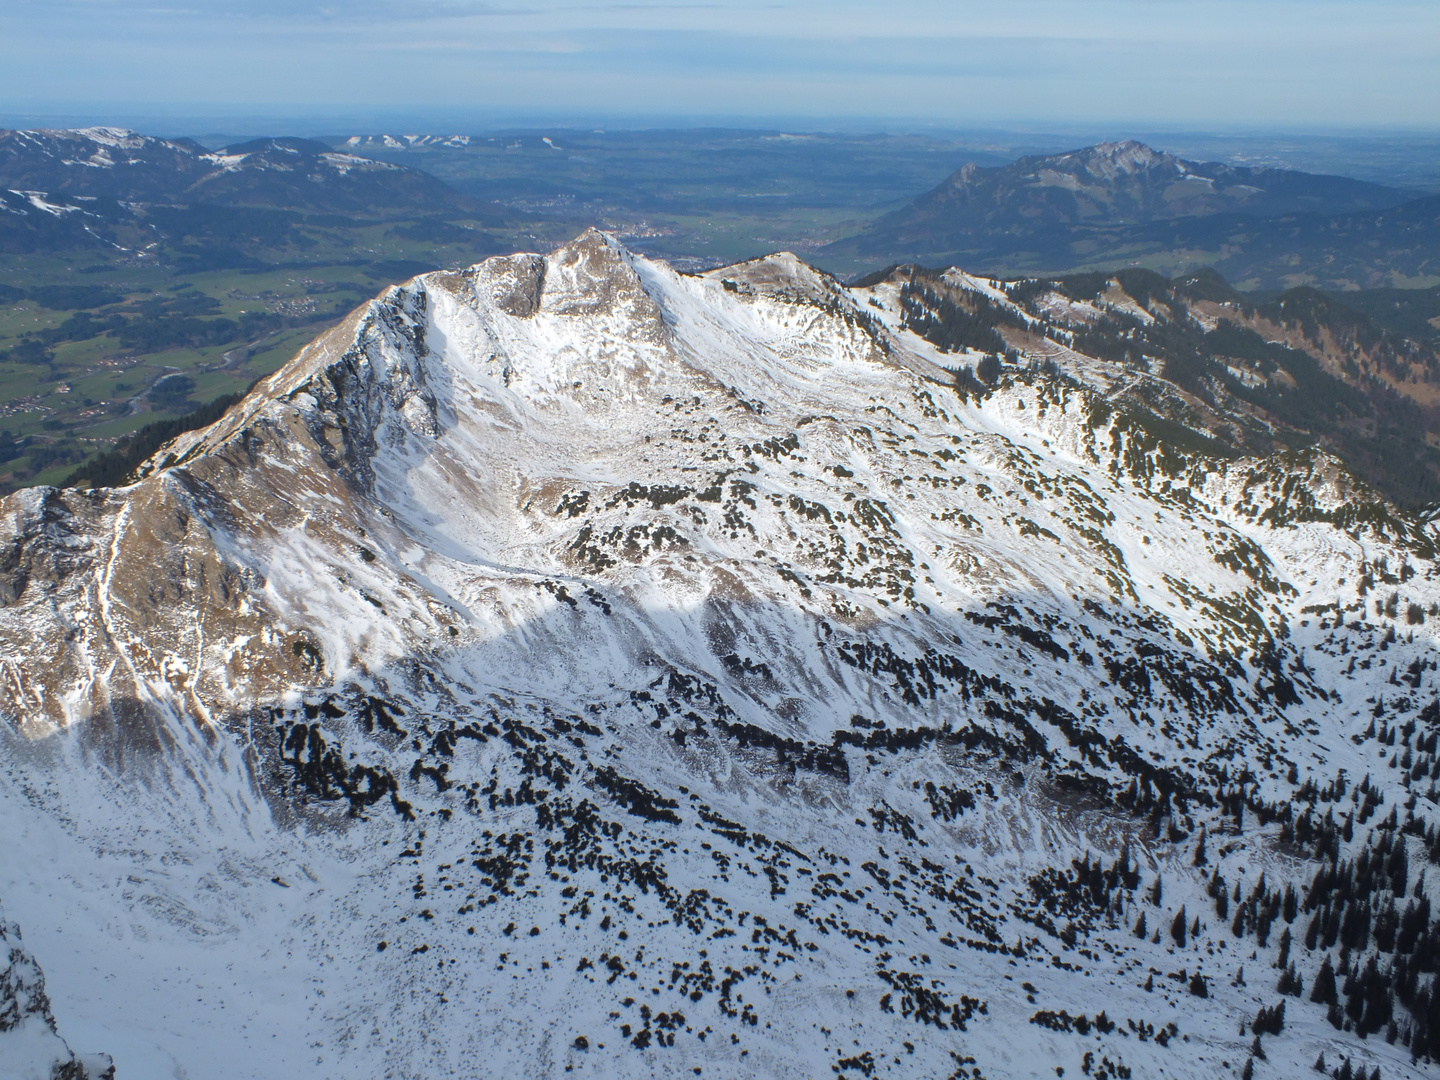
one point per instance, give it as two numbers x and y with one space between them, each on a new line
30 1045
568 665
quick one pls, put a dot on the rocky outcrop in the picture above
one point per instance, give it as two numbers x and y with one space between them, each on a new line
30 1044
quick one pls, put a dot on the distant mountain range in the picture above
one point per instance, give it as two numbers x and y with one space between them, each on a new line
109 188
282 173
1100 208
1125 203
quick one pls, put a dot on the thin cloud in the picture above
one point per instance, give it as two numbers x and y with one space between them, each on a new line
353 11
1211 62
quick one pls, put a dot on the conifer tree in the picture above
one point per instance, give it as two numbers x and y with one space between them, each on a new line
1290 982
1177 928
1323 992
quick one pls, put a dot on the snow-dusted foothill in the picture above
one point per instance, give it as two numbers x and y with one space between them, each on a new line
569 665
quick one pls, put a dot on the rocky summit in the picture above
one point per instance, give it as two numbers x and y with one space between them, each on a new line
572 666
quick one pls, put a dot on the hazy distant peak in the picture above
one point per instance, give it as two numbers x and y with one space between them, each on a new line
1113 163
1124 157
111 136
1106 162
1118 183
282 144
404 142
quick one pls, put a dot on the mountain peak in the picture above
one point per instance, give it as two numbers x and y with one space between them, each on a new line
1128 156
569 601
283 144
111 136
980 210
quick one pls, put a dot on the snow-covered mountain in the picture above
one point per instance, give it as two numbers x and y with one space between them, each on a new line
404 142
572 666
109 164
1217 370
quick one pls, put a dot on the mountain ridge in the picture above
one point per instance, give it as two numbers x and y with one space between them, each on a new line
113 191
1124 201
117 164
617 670
1243 377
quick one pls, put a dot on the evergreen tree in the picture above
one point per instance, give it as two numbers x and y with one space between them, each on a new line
1427 1040
1269 1021
1323 992
1290 983
1177 928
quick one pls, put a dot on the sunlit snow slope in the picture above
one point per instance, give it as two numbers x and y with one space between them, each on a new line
572 666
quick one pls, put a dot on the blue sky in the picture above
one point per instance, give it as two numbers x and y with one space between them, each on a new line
1203 64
